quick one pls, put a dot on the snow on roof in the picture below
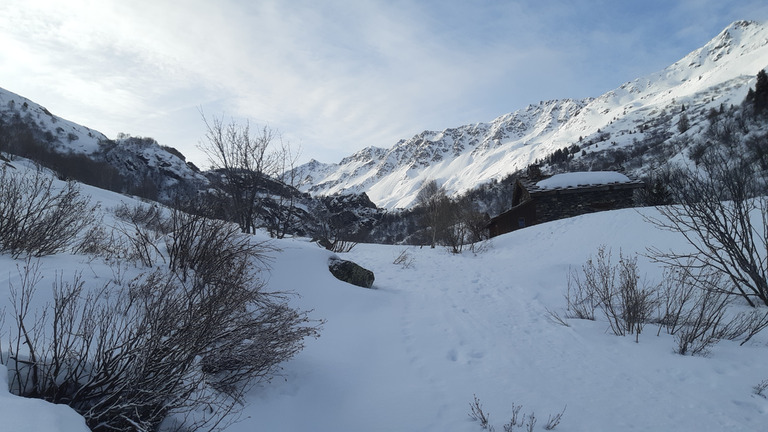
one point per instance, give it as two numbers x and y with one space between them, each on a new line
576 179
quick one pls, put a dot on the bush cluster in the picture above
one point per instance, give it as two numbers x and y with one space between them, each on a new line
176 345
38 217
690 304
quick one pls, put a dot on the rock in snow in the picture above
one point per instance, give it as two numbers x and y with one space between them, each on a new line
350 272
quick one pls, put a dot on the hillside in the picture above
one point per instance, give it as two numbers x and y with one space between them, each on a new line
647 108
410 354
140 166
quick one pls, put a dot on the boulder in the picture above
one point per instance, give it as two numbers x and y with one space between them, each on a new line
350 272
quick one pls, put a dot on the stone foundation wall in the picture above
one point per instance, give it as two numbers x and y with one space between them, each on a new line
558 204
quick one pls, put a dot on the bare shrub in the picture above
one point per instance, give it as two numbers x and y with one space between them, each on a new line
637 302
760 388
145 215
209 247
704 321
615 289
94 241
747 325
404 259
676 292
694 309
173 343
334 236
554 420
476 413
516 419
340 245
530 422
580 298
143 232
37 217
554 317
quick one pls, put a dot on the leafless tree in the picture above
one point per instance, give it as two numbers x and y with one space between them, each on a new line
436 206
333 234
723 214
243 160
471 221
288 174
454 233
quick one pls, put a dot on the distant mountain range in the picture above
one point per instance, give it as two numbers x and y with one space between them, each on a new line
636 128
717 74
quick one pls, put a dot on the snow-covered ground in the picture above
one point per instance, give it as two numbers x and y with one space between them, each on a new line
410 354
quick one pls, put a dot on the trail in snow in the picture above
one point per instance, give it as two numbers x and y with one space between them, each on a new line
409 355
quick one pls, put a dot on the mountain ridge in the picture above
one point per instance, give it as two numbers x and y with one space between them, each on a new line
464 157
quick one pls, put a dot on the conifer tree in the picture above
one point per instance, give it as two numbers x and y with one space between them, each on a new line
761 92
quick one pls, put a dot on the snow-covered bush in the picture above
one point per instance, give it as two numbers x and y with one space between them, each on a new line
178 343
691 306
404 259
615 289
516 421
694 308
760 388
37 217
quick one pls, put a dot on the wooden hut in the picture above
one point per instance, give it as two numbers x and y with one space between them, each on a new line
564 195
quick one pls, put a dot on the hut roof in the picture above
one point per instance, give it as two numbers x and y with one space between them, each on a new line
583 179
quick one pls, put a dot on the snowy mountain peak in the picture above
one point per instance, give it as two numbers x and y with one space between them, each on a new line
461 158
739 39
392 177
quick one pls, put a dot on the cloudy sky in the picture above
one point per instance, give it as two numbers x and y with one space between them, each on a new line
334 76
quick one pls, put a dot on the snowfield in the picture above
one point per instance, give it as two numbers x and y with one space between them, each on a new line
410 354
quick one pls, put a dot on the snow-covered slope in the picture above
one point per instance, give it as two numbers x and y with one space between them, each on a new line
138 161
410 354
460 158
63 134
22 414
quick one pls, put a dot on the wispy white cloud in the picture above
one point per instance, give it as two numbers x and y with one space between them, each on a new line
334 76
